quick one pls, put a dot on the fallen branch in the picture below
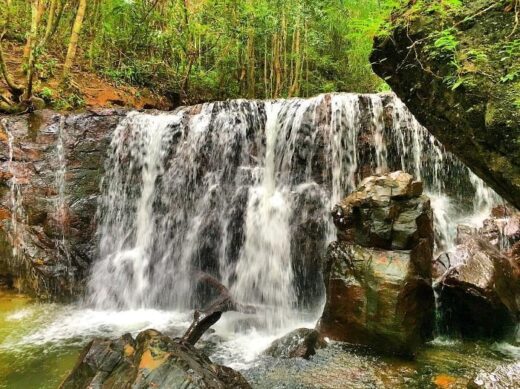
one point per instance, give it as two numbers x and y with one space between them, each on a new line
203 320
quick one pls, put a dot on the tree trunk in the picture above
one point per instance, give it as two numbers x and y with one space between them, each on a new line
8 14
37 8
50 20
15 89
251 79
295 87
277 66
74 37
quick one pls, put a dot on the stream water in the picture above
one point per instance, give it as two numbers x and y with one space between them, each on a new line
242 190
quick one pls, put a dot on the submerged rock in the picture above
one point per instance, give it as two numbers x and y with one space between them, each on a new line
480 295
455 65
300 343
378 273
152 360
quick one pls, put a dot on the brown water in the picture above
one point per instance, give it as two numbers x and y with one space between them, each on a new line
39 343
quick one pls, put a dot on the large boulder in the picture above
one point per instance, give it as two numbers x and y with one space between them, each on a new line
479 296
378 273
455 66
152 360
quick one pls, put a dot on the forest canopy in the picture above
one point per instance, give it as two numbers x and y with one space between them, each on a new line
193 50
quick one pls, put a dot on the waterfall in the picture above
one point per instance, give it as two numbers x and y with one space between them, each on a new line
242 190
15 234
61 199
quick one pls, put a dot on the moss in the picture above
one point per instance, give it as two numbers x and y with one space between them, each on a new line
458 70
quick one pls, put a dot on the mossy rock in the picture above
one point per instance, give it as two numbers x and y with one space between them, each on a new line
457 68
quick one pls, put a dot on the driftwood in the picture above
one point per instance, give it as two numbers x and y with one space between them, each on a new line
204 319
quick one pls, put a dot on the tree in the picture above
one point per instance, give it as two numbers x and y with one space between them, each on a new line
74 37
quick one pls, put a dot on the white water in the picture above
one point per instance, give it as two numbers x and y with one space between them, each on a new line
15 232
61 215
230 188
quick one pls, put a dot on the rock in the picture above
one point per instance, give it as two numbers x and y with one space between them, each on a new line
450 64
152 360
441 264
36 254
378 273
385 212
480 295
300 343
503 377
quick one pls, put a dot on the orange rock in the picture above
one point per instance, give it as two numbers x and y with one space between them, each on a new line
149 362
129 351
4 214
444 381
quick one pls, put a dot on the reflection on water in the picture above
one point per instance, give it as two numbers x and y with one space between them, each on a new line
40 342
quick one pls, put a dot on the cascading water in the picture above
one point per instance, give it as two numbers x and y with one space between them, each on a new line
242 190
61 199
15 204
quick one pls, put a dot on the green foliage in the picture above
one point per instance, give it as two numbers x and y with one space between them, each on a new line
69 101
511 76
46 93
510 58
445 45
216 49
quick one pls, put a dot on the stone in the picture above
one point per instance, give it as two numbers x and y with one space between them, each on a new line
42 264
504 376
466 95
385 212
152 360
479 296
300 343
378 274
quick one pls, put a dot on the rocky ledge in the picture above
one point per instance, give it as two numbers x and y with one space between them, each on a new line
378 272
455 64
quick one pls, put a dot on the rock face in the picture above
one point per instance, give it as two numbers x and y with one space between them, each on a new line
378 273
479 296
300 343
152 360
456 69
33 254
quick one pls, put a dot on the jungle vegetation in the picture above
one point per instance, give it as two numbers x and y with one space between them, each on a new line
191 50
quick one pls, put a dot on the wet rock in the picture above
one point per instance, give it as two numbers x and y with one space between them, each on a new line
386 212
152 360
480 295
378 273
503 377
479 280
300 343
50 249
441 265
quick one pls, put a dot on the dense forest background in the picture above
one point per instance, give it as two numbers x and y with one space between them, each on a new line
188 50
